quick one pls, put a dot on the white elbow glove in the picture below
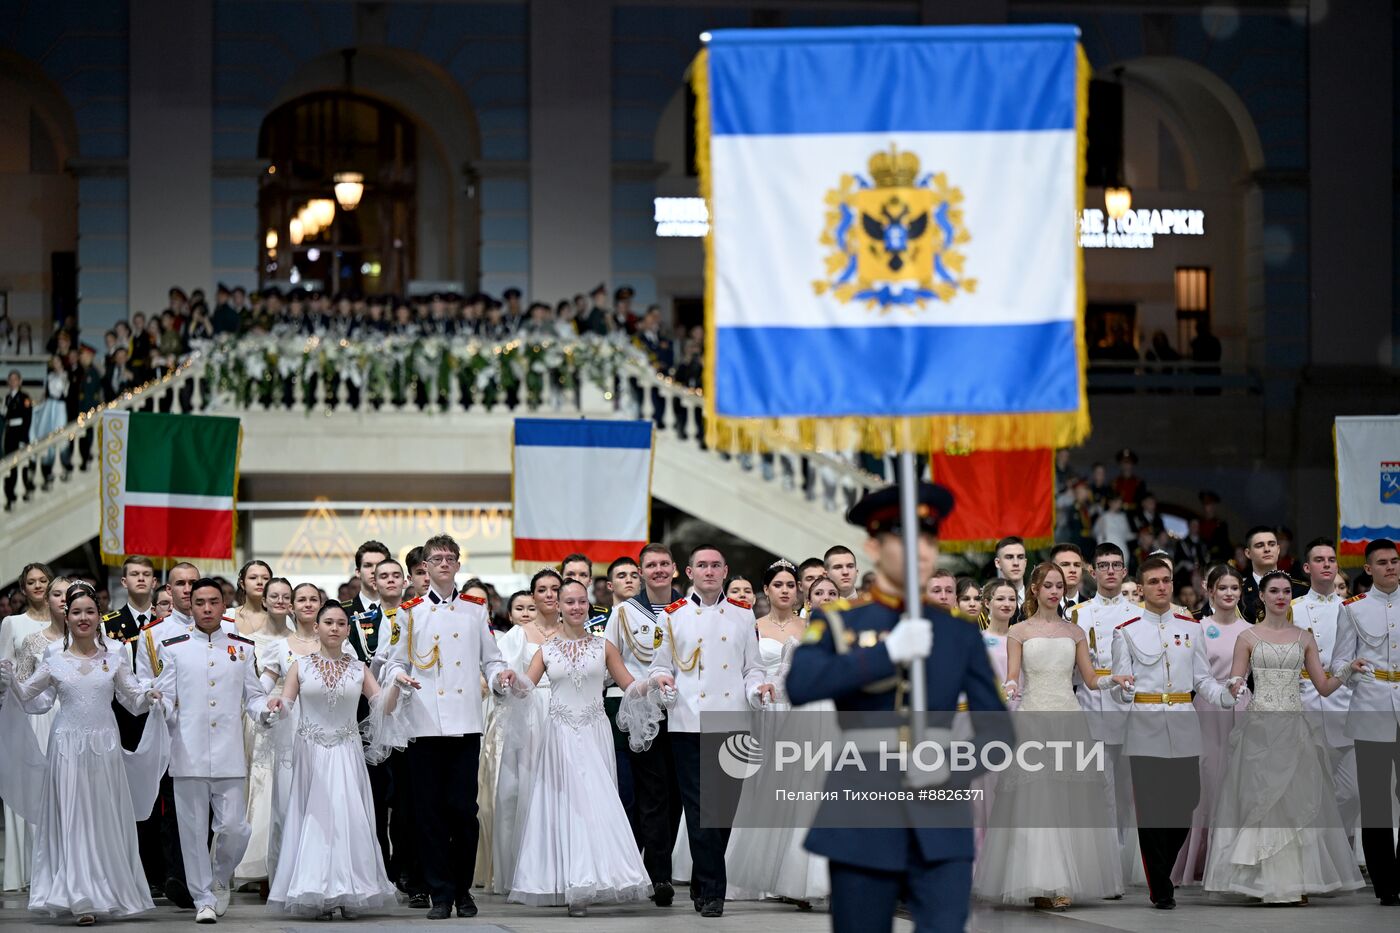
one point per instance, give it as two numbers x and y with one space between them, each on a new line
910 640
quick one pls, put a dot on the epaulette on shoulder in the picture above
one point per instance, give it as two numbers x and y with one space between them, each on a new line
229 619
1185 618
957 613
1298 599
842 603
111 615
479 600
175 641
151 624
346 603
411 603
1348 601
675 605
1127 623
741 604
234 636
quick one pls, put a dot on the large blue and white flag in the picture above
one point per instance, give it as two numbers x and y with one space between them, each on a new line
893 232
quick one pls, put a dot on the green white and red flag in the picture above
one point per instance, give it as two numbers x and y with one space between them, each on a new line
169 485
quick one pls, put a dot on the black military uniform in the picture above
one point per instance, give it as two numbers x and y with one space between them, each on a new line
1251 606
927 862
19 415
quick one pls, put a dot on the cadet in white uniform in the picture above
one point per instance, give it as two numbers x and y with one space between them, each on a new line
209 678
1368 628
709 653
1098 617
1316 610
443 639
1165 655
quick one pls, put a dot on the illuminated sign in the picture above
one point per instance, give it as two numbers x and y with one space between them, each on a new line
681 216
1137 229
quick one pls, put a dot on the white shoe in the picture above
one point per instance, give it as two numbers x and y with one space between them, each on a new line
206 915
221 895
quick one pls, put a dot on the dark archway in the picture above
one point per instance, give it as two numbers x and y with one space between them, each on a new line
306 143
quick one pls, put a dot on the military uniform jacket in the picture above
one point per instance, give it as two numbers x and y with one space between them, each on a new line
843 658
635 633
208 682
390 631
1166 655
365 620
146 648
122 629
712 652
1098 617
1368 627
447 645
1318 614
19 415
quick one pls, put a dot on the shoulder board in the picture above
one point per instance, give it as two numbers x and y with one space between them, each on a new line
1128 623
741 604
175 641
1298 599
111 615
411 603
1352 599
472 599
1177 615
957 613
234 636
151 624
346 603
675 605
229 618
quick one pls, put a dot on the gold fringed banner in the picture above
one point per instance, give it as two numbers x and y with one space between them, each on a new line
881 435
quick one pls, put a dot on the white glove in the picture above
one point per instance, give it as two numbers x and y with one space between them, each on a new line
910 640
1129 691
1228 700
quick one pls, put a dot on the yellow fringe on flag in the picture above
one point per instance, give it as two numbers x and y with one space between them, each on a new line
879 436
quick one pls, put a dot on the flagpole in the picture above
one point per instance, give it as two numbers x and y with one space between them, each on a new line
913 597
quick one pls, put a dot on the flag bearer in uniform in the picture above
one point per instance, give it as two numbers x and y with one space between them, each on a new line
209 678
709 654
858 654
446 643
1164 656
1368 629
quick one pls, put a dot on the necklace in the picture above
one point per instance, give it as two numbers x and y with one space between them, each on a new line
783 625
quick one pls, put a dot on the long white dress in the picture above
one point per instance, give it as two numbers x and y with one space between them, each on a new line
91 793
329 854
1276 833
13 632
274 658
519 737
576 847
1042 840
765 853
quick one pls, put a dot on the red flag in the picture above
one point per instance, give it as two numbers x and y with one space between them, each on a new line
997 493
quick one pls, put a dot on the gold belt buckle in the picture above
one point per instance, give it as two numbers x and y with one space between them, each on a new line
1166 699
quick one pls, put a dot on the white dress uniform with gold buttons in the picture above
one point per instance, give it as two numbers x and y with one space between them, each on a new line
1318 614
712 653
208 682
1166 656
634 632
1097 618
446 644
1368 627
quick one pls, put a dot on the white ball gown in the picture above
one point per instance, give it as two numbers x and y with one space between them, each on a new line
1276 833
516 733
1043 840
330 856
765 854
85 794
14 630
576 846
259 858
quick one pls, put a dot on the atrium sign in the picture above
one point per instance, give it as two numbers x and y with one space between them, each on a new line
1137 229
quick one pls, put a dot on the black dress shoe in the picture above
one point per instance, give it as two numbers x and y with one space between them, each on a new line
178 893
419 901
440 912
699 904
1392 900
664 894
714 907
157 892
466 907
1166 903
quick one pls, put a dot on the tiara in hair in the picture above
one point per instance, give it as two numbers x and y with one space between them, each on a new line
780 562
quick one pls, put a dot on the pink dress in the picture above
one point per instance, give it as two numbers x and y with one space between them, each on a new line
987 783
1216 725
